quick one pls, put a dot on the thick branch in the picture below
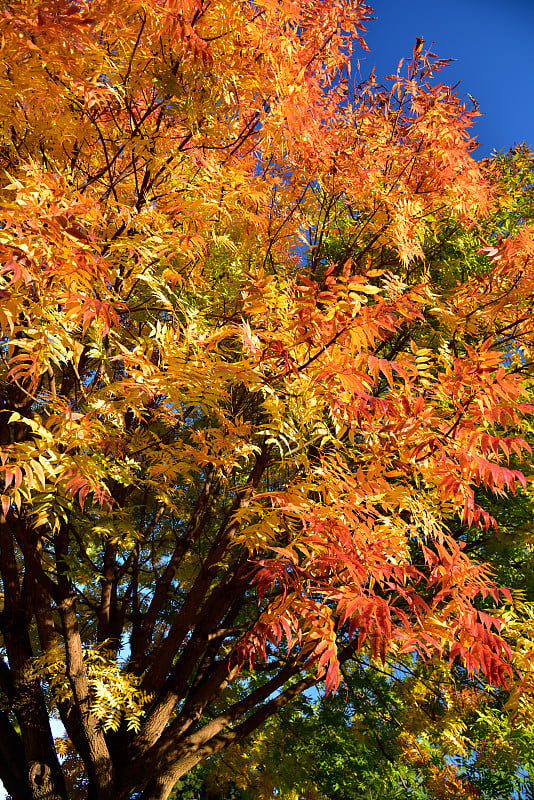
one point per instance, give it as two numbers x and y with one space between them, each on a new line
166 652
141 641
98 763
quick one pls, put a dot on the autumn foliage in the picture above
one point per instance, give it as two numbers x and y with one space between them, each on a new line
238 409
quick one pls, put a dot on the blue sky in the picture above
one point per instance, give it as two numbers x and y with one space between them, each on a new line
493 44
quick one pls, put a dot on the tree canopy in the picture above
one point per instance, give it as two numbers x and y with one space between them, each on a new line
410 729
247 425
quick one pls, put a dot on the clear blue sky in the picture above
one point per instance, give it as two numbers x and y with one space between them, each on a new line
493 44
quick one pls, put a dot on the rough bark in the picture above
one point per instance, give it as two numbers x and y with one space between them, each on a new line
43 772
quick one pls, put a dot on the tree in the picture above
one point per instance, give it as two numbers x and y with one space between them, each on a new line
409 729
402 732
222 449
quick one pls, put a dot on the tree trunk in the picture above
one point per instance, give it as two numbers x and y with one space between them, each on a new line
43 773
